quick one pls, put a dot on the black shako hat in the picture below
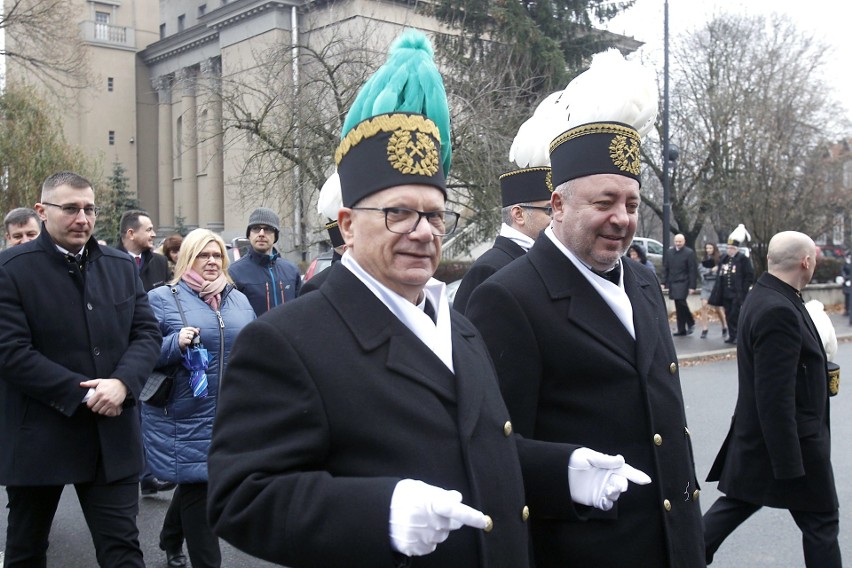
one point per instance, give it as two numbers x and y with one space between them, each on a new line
596 148
387 150
525 185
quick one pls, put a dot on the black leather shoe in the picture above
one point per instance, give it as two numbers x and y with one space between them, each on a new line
704 334
731 340
152 486
679 333
175 558
690 330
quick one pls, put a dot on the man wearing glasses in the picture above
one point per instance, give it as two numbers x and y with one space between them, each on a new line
267 279
526 213
77 341
362 424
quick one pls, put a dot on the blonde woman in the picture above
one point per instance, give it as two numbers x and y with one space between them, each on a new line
200 302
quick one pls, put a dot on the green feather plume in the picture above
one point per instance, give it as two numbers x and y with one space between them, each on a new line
409 81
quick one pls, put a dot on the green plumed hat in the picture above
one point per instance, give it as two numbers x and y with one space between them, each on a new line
398 129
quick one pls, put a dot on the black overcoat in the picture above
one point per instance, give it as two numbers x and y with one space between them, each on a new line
503 252
155 268
571 372
778 449
329 401
680 272
59 327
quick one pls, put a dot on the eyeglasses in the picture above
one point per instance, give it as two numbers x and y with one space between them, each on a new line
205 256
73 210
265 228
404 221
546 208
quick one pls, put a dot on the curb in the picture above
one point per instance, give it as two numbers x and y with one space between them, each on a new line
843 337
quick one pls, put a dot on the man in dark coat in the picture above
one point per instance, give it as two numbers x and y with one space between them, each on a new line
778 450
137 240
77 341
377 432
736 275
526 212
680 274
583 352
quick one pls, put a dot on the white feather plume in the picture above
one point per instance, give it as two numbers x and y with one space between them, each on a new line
740 234
612 89
824 327
531 146
330 200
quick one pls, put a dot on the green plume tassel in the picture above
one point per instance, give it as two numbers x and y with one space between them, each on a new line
409 81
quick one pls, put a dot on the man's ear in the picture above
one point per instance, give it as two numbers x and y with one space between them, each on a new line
344 222
517 214
558 205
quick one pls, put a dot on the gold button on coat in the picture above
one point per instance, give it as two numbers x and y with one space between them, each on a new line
673 368
658 439
507 428
489 524
695 495
667 504
525 513
686 430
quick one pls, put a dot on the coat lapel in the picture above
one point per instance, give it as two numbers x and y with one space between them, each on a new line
468 362
373 326
644 297
582 304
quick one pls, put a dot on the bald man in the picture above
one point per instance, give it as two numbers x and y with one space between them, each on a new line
778 450
680 274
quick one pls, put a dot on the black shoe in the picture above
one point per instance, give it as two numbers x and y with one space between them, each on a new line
724 331
154 485
731 340
175 558
679 333
690 330
704 334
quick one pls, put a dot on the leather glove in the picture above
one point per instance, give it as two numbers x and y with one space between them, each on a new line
422 516
598 480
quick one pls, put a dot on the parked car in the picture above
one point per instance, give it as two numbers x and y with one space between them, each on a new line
238 248
318 264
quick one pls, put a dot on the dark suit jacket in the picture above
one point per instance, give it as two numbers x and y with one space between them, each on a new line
155 268
680 272
502 253
570 372
778 450
309 444
61 326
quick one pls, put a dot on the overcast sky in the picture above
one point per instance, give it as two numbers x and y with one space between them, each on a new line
831 20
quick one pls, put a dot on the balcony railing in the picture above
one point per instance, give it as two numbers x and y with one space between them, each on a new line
106 34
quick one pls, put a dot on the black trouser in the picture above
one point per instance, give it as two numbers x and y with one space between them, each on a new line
110 510
732 314
819 530
189 502
684 315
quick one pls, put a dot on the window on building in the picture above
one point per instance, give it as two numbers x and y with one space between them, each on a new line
181 22
162 31
109 84
112 137
202 10
101 25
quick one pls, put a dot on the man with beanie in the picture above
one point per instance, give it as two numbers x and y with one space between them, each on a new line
267 279
525 213
581 340
362 425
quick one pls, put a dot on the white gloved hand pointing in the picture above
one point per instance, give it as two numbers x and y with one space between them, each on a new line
598 480
422 516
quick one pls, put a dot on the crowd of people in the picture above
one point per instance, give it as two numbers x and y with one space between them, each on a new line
538 422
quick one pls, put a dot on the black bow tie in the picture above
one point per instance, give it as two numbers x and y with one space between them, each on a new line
613 275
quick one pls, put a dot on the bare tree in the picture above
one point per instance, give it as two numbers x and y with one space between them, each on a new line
751 114
42 37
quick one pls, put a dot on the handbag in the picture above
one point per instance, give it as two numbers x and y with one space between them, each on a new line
158 388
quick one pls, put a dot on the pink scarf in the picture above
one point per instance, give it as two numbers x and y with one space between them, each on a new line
209 291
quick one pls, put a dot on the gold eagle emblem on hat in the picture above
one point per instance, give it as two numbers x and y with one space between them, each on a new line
624 152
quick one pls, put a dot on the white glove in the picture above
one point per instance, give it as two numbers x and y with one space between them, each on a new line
598 480
422 516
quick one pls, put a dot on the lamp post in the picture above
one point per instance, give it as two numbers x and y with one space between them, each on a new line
667 206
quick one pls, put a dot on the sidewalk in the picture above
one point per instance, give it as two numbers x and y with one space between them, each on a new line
692 347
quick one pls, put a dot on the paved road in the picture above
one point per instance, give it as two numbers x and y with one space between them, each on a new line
769 538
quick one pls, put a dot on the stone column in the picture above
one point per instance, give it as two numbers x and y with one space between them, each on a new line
211 203
165 168
187 202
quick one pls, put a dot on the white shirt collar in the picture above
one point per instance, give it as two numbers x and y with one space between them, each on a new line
516 236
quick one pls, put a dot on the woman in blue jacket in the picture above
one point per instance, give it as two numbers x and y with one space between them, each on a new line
200 302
